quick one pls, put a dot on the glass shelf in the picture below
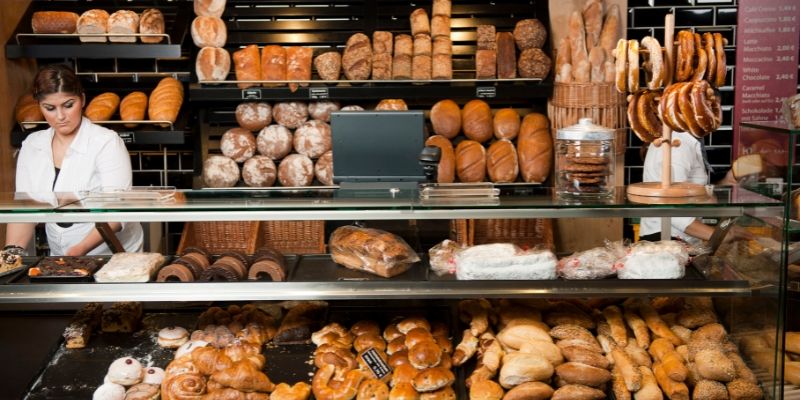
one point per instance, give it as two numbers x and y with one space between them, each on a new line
773 126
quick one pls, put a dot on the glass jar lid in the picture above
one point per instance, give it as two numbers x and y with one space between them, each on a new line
585 129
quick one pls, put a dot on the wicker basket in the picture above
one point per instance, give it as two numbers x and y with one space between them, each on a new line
219 237
599 101
526 233
294 237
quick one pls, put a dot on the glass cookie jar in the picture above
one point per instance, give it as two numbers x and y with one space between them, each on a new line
585 160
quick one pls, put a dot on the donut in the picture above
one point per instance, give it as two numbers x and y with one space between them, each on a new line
647 114
633 65
125 371
711 54
685 56
685 105
703 99
722 71
109 391
153 375
172 337
621 66
655 62
702 59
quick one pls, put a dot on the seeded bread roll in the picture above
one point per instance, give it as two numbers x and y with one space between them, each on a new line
212 64
530 34
534 63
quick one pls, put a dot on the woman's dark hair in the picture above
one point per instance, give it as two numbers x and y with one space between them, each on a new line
56 78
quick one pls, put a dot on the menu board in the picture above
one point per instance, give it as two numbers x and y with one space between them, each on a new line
767 48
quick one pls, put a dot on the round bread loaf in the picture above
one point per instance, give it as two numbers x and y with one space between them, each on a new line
313 138
530 34
352 108
296 170
321 110
213 64
275 142
506 124
470 161
446 118
534 64
209 32
290 114
209 8
392 105
476 121
501 162
446 170
323 169
329 65
220 172
259 171
535 148
253 116
27 109
238 144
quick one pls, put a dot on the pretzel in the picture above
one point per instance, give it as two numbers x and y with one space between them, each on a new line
702 59
702 96
662 109
621 67
689 114
633 65
635 122
648 116
655 63
719 78
673 110
685 56
711 71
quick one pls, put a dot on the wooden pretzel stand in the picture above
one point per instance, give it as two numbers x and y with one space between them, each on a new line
666 191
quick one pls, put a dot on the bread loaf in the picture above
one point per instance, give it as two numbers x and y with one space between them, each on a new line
506 124
323 169
486 37
209 8
534 64
220 172
610 33
423 45
329 65
253 116
296 170
501 162
102 107
582 374
209 32
485 64
151 22
50 22
422 68
290 114
312 139
357 58
273 64
371 250
506 56
530 34
298 65
535 148
165 100
259 171
403 45
476 121
213 64
238 144
470 161
593 20
442 7
27 110
123 21
446 170
442 66
446 118
420 24
321 110
577 38
401 67
247 64
132 108
382 42
94 21
382 66
274 141
392 105
440 26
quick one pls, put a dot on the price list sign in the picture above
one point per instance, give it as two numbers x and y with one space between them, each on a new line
767 50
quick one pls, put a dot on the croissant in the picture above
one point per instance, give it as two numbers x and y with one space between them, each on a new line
244 376
233 394
347 389
241 349
300 391
183 386
256 333
183 365
210 360
165 101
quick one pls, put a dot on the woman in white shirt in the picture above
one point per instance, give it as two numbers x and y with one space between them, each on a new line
72 155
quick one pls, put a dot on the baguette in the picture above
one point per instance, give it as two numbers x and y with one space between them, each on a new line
674 390
639 328
593 20
610 34
650 389
671 362
627 369
657 325
619 333
577 38
618 386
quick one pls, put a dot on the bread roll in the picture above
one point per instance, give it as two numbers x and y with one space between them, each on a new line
253 116
323 169
578 392
446 118
381 66
530 391
501 162
712 364
49 22
247 64
209 8
296 170
422 68
382 42
534 64
259 171
94 21
132 108
420 24
298 65
238 144
485 64
329 65
392 105
274 141
290 114
447 163
485 390
582 374
220 172
27 109
506 56
151 22
506 124
273 64
403 45
486 37
123 21
544 348
321 110
313 138
476 121
440 26
102 107
584 356
519 368
357 58
165 100
213 64
470 161
401 67
209 32
535 148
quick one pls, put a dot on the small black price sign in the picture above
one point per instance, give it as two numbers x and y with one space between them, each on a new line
251 94
375 363
486 92
318 93
127 137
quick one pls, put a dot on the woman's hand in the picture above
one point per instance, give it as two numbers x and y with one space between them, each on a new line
75 251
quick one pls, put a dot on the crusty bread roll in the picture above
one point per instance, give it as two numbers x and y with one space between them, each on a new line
151 22
165 100
290 114
27 109
582 374
470 161
530 34
501 162
238 144
535 148
323 168
212 64
133 107
259 171
447 163
312 138
247 64
253 116
519 368
123 21
220 172
209 32
54 22
273 64
321 110
506 124
275 141
485 390
102 107
476 121
357 58
446 118
514 336
329 65
93 21
529 391
544 348
296 170
392 105
714 365
209 8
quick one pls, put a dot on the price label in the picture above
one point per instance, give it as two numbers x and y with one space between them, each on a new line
318 93
786 29
127 137
251 94
375 363
784 59
785 48
784 77
486 92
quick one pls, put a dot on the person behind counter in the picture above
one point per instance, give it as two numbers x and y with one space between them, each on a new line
73 155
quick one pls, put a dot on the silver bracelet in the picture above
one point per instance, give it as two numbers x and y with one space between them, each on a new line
14 249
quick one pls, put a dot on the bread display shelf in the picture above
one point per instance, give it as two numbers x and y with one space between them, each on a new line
147 133
78 35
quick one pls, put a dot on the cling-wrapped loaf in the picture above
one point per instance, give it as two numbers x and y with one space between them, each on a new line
371 250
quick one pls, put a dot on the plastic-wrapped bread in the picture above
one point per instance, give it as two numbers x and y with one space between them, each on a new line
129 267
597 263
273 64
247 64
94 21
654 260
505 261
371 250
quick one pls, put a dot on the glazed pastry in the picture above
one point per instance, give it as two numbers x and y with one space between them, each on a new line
109 391
125 371
172 337
153 375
